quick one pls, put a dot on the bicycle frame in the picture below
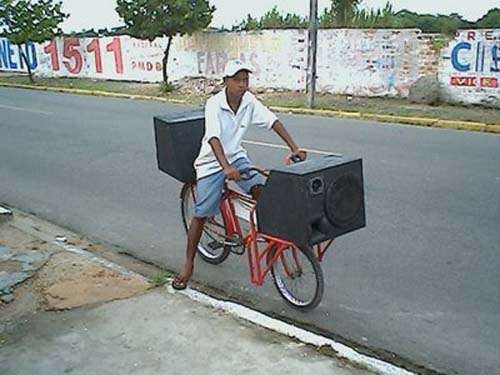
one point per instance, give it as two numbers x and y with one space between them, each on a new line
258 271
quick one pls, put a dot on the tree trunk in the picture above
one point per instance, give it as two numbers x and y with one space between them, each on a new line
165 59
25 60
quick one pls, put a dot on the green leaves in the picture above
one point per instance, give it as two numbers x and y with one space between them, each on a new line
273 19
150 19
35 21
490 19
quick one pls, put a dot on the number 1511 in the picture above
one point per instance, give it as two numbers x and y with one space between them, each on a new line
73 59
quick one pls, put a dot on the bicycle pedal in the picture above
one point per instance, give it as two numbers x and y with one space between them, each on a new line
214 245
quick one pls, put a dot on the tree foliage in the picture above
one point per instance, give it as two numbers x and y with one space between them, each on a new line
150 19
490 19
374 18
273 19
24 21
348 13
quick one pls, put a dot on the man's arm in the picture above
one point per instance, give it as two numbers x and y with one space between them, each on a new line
283 133
230 172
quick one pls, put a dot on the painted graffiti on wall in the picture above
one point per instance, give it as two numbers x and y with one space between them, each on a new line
470 67
276 58
368 62
119 58
10 56
354 62
357 62
83 57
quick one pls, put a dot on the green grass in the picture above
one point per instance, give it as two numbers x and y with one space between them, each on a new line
160 278
388 106
384 106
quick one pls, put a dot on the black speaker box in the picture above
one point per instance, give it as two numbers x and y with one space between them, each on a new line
313 201
178 140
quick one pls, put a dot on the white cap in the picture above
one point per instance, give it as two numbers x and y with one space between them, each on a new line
235 66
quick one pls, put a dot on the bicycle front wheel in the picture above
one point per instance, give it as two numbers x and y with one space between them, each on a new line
211 246
298 277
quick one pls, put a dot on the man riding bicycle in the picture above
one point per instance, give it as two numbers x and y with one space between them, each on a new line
227 118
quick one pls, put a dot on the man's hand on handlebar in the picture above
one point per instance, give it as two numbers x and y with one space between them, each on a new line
298 156
232 174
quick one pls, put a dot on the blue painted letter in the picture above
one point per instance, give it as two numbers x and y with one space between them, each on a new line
454 57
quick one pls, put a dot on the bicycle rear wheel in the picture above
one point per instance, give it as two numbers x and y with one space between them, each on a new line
298 277
211 246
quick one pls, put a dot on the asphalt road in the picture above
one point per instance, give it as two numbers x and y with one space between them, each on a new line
421 280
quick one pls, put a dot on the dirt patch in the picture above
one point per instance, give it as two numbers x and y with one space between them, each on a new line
68 281
53 278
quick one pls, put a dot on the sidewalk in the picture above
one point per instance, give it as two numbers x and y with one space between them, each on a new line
68 312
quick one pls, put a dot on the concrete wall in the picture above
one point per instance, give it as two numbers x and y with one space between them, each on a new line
350 61
469 70
355 62
279 58
368 62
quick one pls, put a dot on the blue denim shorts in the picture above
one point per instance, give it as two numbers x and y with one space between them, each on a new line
209 188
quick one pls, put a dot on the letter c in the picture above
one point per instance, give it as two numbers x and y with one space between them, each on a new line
454 57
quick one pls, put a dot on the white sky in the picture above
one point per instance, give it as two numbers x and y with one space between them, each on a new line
98 14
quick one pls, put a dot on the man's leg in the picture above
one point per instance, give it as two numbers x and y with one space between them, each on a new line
193 238
250 184
208 195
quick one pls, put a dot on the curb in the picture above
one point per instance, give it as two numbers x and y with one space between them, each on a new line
372 364
56 235
92 93
5 212
419 121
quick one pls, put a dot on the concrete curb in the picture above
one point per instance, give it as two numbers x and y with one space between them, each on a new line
420 121
92 93
374 365
55 235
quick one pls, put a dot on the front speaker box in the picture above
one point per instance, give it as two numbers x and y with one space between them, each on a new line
313 201
178 139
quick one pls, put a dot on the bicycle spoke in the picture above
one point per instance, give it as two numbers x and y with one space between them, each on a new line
211 246
298 277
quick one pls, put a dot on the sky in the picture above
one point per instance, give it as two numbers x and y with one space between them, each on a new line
99 14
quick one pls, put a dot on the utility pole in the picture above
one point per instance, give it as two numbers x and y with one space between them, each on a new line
312 53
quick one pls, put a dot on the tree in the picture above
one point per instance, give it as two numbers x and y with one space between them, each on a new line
344 11
250 24
150 19
380 18
273 19
30 21
490 19
340 14
429 23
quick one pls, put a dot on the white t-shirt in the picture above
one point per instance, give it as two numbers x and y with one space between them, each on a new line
223 123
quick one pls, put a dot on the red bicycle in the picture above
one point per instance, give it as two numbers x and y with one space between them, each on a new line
296 271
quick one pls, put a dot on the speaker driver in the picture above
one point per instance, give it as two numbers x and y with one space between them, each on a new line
344 200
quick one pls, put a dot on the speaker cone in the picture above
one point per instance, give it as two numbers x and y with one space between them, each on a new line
343 200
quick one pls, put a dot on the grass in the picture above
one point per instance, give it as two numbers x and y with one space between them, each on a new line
383 106
388 106
160 278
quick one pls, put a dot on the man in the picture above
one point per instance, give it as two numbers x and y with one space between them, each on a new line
227 117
